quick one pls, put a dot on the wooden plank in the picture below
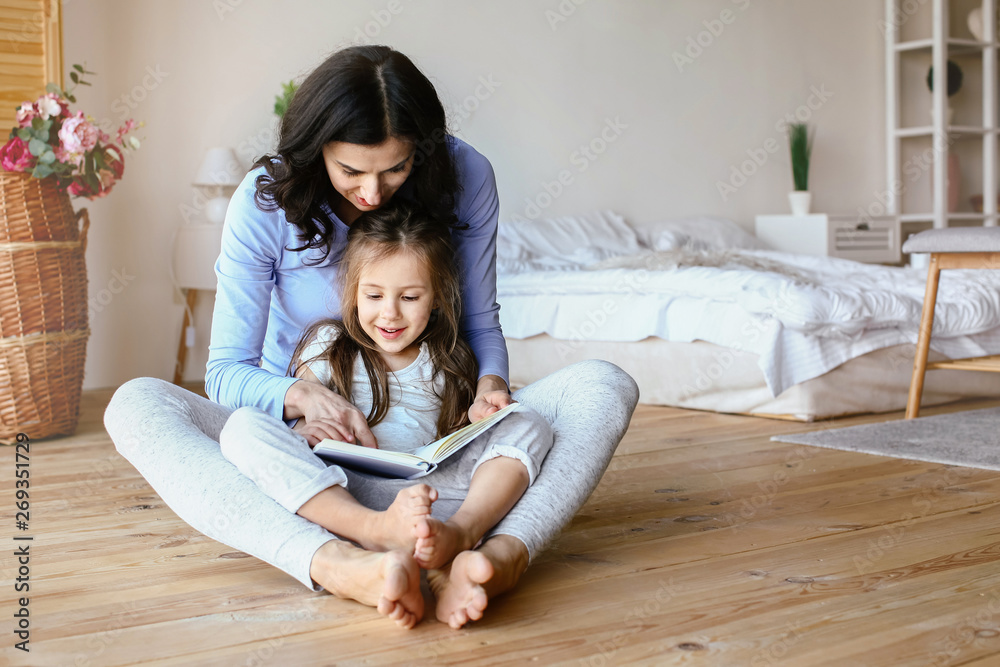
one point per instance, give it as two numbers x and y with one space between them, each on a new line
968 260
989 364
30 52
704 543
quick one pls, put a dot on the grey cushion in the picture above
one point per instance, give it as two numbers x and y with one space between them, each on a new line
955 239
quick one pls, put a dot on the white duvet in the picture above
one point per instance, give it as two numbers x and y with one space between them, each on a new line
801 327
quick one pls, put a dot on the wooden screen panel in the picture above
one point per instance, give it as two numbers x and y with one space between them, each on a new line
30 53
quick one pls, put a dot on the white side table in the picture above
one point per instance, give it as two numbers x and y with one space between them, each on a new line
196 249
874 239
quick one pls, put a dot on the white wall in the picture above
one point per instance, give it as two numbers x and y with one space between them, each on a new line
202 73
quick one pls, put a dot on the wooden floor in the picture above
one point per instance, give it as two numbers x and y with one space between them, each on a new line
705 544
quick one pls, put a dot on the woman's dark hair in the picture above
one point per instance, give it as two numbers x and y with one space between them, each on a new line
399 227
359 95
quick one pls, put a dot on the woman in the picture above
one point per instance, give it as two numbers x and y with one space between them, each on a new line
364 127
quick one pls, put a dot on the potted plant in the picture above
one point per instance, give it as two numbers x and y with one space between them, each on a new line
800 145
51 155
954 83
282 101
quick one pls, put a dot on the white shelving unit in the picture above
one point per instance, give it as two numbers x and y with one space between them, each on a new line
940 46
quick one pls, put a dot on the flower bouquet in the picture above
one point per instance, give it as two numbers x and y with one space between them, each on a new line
51 141
52 154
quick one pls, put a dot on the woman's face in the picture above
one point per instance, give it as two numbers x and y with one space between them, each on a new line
367 176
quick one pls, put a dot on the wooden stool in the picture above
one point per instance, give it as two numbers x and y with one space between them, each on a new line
953 248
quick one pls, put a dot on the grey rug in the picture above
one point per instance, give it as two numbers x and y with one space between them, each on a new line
970 439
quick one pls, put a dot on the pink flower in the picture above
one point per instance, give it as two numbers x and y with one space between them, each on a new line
14 156
125 129
77 135
66 157
25 113
78 189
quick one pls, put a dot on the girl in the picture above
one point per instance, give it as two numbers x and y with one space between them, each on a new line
365 127
398 355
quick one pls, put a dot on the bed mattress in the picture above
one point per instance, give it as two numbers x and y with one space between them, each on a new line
799 321
705 376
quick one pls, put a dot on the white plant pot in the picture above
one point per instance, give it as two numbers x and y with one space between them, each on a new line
800 202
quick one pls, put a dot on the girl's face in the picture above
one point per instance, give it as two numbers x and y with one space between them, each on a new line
367 176
395 300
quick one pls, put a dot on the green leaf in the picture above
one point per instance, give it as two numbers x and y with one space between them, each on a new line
282 101
24 134
78 68
53 88
800 145
37 146
74 77
48 157
37 122
41 171
71 98
61 170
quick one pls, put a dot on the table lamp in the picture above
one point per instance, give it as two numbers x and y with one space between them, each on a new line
220 169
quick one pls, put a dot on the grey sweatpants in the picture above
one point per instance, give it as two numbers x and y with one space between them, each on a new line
283 466
171 436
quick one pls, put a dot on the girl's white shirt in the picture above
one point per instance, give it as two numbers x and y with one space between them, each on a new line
414 395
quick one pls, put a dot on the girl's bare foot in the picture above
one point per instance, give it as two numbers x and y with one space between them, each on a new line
437 542
396 527
390 581
459 588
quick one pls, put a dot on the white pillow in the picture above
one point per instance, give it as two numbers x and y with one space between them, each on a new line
696 233
567 241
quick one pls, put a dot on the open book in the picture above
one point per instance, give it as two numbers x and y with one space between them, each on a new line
403 465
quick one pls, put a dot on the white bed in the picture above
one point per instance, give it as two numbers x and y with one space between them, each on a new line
703 318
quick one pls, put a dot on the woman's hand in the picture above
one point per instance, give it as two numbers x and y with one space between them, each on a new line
491 395
326 414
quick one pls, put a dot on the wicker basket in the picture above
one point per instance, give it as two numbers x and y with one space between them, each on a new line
43 308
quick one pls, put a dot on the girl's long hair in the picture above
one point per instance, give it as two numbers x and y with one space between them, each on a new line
396 228
359 95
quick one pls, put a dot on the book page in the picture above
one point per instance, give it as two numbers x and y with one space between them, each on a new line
441 449
334 446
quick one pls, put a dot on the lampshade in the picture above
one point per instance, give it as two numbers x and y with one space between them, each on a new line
220 167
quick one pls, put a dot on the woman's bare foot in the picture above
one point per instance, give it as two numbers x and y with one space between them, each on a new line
390 581
400 598
396 527
459 588
438 543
